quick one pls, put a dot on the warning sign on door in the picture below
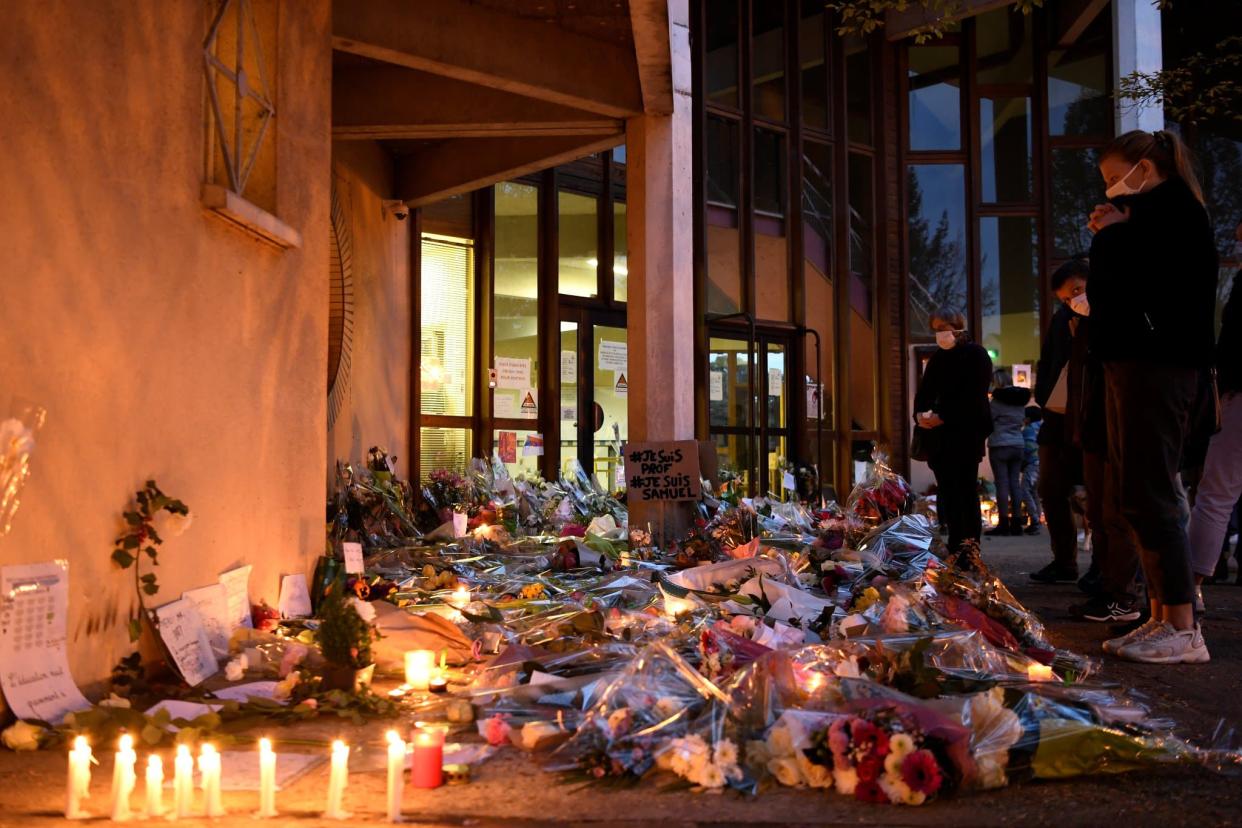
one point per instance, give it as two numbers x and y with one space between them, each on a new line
622 385
530 408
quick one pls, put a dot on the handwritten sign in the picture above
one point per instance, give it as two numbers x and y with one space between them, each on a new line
212 603
353 558
237 584
663 471
34 667
294 601
181 629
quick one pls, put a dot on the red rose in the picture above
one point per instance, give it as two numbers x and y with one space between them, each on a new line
881 744
869 769
870 791
920 771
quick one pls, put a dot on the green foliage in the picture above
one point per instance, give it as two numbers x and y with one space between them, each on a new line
1200 88
862 17
140 538
344 637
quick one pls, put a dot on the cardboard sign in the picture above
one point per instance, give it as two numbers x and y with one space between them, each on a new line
353 558
663 471
294 601
237 584
212 603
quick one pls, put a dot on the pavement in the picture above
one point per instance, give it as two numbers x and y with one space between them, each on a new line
510 789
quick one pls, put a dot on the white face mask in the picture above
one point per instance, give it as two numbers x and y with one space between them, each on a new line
1079 305
1121 188
946 339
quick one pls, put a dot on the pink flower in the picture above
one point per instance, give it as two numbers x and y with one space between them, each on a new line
496 730
311 703
294 654
869 790
838 738
920 771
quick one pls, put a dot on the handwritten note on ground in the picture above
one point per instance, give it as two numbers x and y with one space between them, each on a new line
666 471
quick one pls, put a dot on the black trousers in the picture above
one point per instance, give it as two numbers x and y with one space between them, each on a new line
1060 470
1113 549
1148 407
957 497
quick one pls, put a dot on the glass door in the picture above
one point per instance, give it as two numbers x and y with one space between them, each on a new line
748 410
594 392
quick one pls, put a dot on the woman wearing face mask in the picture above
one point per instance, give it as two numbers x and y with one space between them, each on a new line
1152 298
951 405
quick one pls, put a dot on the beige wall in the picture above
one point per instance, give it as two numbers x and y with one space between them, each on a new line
376 410
163 341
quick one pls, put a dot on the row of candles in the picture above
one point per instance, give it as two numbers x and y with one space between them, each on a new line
427 748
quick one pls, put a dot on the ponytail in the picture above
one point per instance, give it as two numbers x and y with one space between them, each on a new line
1169 153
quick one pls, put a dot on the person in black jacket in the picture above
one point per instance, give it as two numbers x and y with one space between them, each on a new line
1060 461
1153 299
951 405
1221 484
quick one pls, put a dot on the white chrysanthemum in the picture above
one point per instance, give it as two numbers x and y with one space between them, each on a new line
785 769
901 744
725 753
846 780
711 776
667 706
892 762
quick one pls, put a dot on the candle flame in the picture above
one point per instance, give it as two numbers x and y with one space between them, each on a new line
127 742
265 745
339 747
155 763
80 744
183 751
393 737
208 749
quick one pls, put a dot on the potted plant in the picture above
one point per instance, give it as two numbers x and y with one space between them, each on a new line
345 639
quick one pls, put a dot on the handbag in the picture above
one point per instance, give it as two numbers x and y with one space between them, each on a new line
923 443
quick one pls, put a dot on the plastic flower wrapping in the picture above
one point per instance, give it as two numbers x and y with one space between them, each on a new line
779 644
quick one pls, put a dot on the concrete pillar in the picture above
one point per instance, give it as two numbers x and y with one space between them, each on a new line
660 239
1136 48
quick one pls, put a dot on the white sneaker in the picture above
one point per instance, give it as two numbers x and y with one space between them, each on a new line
1112 645
1166 645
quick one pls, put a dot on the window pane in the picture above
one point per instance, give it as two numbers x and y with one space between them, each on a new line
446 296
817 205
724 274
768 59
1078 87
862 216
777 387
1220 160
516 293
1003 48
1076 189
728 384
858 91
620 260
578 262
722 162
819 317
771 242
1009 276
935 98
862 376
936 194
770 174
569 370
734 452
1005 128
814 66
612 398
778 453
510 445
442 448
822 455
722 66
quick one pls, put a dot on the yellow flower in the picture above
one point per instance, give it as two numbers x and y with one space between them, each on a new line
22 736
869 596
532 591
901 744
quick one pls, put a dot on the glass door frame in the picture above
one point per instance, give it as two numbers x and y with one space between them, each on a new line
586 318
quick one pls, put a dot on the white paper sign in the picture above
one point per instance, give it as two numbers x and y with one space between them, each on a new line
621 383
212 603
294 599
237 585
512 373
814 401
181 628
460 520
504 405
715 391
788 482
569 412
1022 376
775 382
250 690
569 367
34 668
613 356
353 558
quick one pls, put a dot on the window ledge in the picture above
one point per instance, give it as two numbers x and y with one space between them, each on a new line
249 217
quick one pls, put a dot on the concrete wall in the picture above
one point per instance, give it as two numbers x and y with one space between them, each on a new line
163 341
377 409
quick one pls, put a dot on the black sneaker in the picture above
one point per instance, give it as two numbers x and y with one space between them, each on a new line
1033 529
1053 574
1091 582
1103 611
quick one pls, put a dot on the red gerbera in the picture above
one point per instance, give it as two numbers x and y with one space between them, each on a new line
870 791
881 744
869 769
861 732
920 771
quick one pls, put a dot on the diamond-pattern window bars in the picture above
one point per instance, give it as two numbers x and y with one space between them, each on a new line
236 17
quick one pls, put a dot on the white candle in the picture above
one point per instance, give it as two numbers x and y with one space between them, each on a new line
337 777
396 775
460 598
183 783
209 767
267 780
123 778
155 786
79 784
419 665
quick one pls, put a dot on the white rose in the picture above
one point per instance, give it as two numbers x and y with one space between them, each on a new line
817 776
114 700
21 735
786 771
171 525
235 669
780 741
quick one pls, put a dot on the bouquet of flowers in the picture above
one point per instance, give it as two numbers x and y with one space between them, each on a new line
881 496
447 491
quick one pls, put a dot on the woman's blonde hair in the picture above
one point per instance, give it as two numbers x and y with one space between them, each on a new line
1169 153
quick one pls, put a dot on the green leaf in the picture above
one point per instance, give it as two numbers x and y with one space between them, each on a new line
133 518
123 559
130 542
151 588
151 553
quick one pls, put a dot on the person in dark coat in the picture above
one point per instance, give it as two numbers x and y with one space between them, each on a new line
1152 296
1060 461
951 406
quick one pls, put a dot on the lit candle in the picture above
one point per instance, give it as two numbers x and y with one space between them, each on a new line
183 782
460 597
438 683
813 682
396 775
79 784
267 780
209 767
428 758
1040 672
123 778
155 786
674 607
419 665
337 777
